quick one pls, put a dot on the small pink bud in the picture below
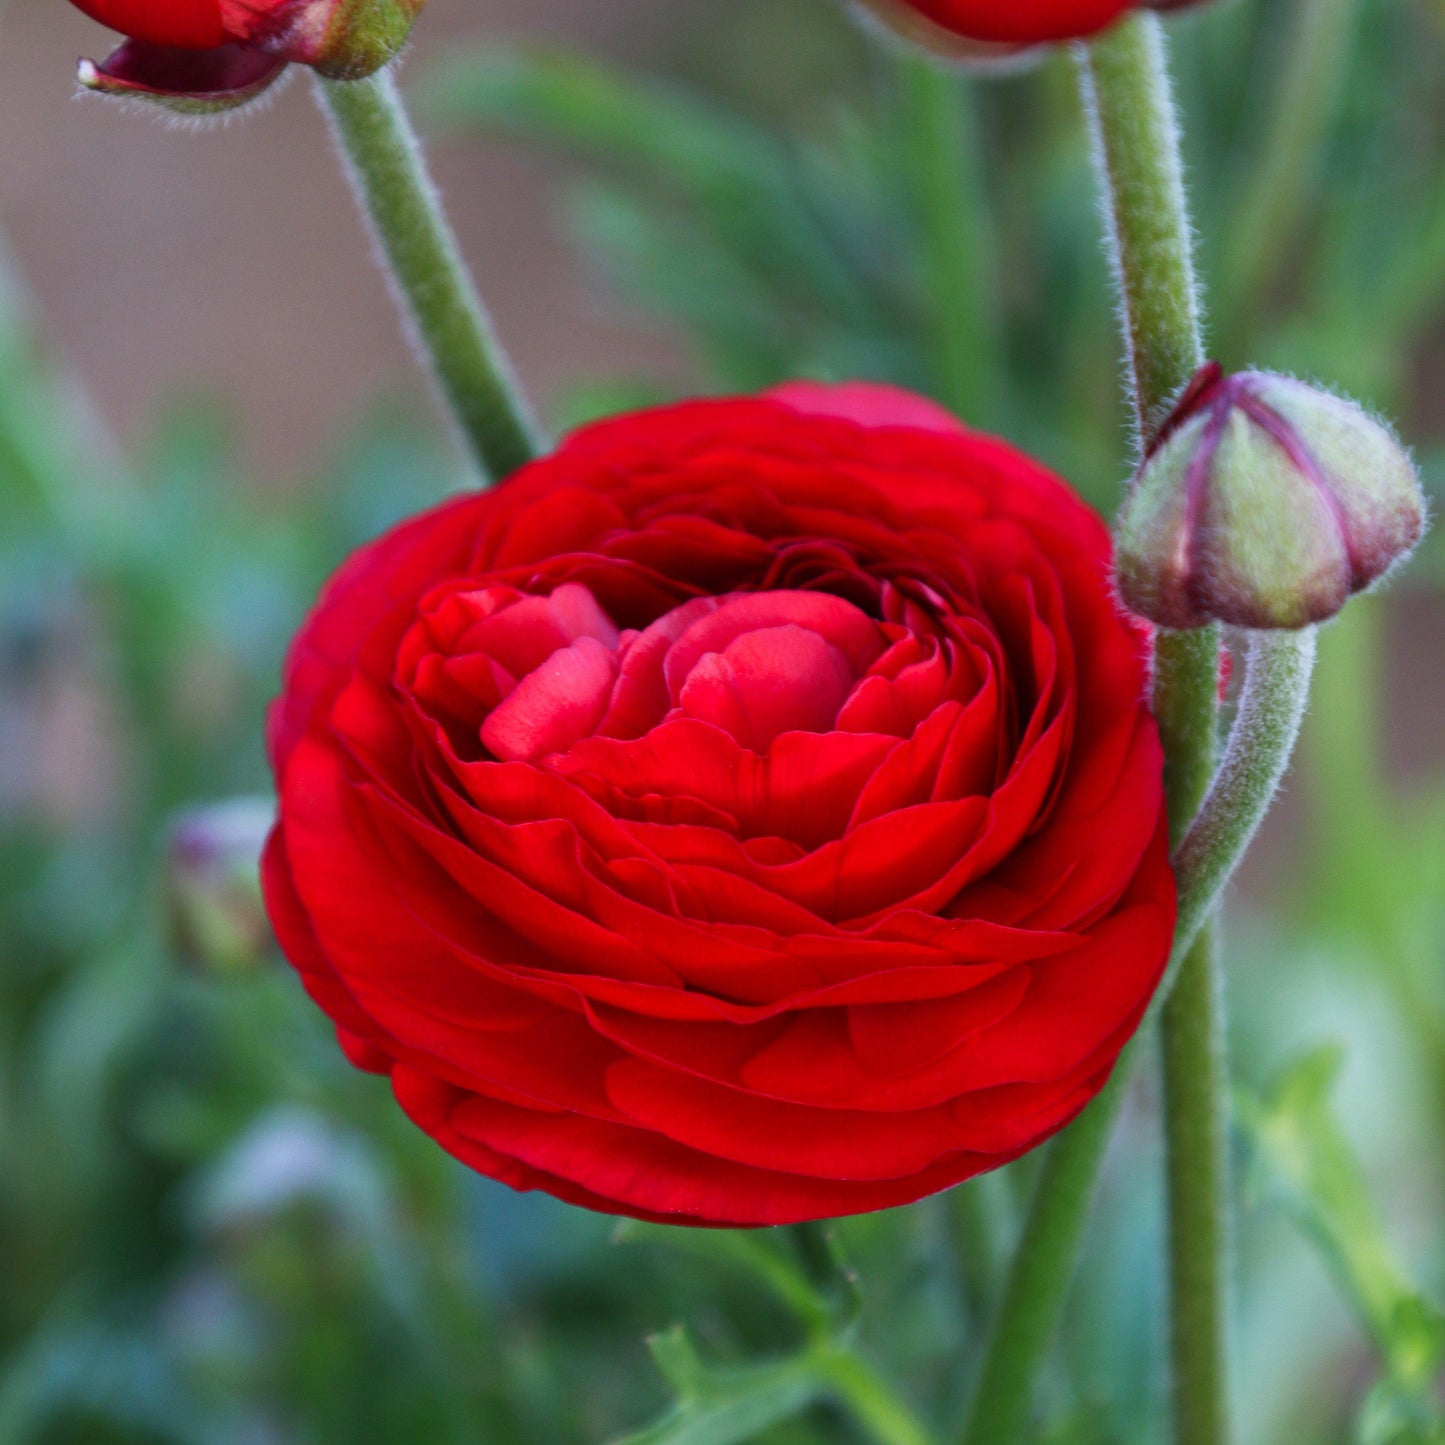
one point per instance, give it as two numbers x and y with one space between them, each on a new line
1264 503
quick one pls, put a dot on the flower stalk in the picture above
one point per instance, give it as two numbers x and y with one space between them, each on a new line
1126 90
1261 743
1137 149
420 254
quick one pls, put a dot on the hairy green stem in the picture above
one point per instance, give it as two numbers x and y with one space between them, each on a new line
420 254
1196 1148
1136 144
1125 84
1261 743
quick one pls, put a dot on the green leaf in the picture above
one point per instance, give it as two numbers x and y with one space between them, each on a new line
1305 1163
726 1406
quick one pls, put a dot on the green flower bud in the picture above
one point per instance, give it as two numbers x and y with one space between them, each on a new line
1264 503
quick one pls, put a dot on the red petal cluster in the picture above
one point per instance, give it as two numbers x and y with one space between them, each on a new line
185 24
198 54
208 56
1016 23
747 814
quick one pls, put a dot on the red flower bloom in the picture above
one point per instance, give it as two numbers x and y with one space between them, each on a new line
747 814
1006 24
209 55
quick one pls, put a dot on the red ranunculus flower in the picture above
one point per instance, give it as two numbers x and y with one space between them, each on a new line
1007 24
204 55
747 814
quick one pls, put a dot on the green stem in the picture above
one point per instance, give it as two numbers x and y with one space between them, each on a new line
1261 743
437 296
1125 82
1136 143
947 185
871 1402
1043 1269
1126 90
1195 1134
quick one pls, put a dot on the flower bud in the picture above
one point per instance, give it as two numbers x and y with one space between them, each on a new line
213 887
901 21
1264 503
201 57
988 31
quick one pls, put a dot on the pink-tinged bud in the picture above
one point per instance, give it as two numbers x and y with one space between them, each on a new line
201 57
213 886
1264 503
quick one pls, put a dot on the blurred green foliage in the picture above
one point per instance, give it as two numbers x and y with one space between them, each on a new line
213 1232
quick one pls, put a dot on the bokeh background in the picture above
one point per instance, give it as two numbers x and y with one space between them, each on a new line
212 1232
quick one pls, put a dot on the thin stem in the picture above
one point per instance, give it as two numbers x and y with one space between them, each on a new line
871 1401
1195 1136
1126 90
1136 143
420 254
945 170
1043 1268
1127 94
1261 743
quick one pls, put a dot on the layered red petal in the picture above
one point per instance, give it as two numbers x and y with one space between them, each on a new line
748 813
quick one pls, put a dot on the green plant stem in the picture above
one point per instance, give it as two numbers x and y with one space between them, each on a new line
1136 145
1125 83
1042 1270
871 1402
1126 92
420 254
1261 743
945 171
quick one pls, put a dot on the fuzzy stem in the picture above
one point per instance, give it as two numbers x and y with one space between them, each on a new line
1125 82
1137 148
419 252
1126 91
1261 742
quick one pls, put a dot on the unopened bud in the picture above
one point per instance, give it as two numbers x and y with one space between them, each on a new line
191 58
213 886
1264 503
989 32
900 20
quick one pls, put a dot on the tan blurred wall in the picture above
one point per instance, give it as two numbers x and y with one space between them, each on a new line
229 258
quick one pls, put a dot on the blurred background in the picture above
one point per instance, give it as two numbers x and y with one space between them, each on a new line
211 1231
